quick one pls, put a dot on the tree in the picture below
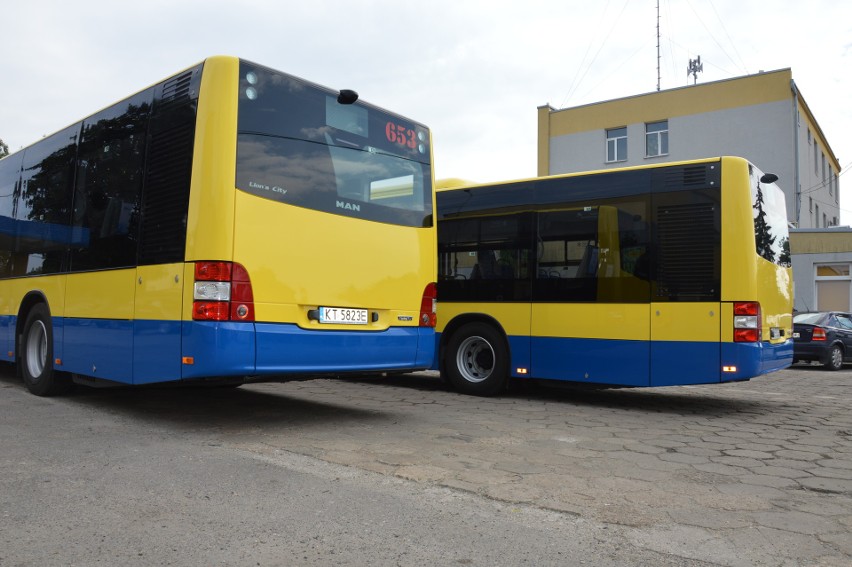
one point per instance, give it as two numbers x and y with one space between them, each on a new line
4 149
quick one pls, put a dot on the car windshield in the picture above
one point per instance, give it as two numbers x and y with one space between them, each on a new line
808 318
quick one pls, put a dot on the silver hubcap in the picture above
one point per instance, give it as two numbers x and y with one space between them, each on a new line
36 349
475 359
836 357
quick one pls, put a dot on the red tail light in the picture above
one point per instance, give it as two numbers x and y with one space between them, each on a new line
222 292
746 322
819 334
428 306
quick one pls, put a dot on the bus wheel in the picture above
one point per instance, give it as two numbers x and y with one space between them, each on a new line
477 360
36 355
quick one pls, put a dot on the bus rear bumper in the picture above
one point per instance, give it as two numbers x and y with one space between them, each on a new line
754 359
231 349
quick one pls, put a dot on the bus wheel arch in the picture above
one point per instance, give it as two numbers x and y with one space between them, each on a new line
475 355
34 348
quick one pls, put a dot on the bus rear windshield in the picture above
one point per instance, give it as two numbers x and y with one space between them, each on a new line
298 145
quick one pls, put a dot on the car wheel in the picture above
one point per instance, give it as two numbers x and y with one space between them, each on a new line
36 355
477 360
835 358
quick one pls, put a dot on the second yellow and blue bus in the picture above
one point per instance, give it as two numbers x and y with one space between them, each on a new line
649 276
230 221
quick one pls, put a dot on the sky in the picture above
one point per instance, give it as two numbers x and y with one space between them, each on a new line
474 71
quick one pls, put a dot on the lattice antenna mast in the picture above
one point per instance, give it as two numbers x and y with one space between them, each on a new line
658 45
695 67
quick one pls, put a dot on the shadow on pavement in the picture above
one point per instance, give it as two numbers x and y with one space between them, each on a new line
713 400
207 407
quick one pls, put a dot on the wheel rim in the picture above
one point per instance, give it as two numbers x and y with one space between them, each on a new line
836 357
37 349
475 359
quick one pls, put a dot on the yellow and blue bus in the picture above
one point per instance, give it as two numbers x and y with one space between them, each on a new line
229 221
648 276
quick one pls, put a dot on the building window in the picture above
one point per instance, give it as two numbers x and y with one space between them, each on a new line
657 138
823 169
830 182
809 136
616 144
810 204
816 158
816 217
824 221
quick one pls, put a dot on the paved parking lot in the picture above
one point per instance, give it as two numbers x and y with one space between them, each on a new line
756 473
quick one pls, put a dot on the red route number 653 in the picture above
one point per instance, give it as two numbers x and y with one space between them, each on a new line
400 135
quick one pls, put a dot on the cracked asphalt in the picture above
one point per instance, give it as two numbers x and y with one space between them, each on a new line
753 473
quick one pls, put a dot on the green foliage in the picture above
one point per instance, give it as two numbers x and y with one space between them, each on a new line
4 149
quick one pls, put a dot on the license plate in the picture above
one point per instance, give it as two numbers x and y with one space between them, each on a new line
342 316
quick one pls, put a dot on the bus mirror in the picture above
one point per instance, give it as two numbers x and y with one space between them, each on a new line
769 178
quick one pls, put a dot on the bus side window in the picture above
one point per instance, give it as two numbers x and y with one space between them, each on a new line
109 184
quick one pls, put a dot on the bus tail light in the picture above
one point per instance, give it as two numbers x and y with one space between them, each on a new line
222 292
429 306
746 322
819 334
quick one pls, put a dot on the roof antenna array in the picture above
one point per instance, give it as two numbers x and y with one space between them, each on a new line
695 67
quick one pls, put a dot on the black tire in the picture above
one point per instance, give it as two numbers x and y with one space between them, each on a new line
36 355
477 360
834 360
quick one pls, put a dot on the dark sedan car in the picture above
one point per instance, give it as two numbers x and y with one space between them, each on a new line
825 337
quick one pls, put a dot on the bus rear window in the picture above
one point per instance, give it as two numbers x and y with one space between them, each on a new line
298 145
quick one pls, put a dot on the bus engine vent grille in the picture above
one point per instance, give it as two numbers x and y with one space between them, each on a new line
687 263
166 195
689 176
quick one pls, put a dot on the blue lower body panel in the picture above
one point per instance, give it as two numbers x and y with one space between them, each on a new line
227 349
146 351
596 361
640 363
101 348
288 348
7 337
679 363
754 359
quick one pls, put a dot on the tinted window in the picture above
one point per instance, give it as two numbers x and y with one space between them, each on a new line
488 259
109 183
593 253
298 145
43 208
10 175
